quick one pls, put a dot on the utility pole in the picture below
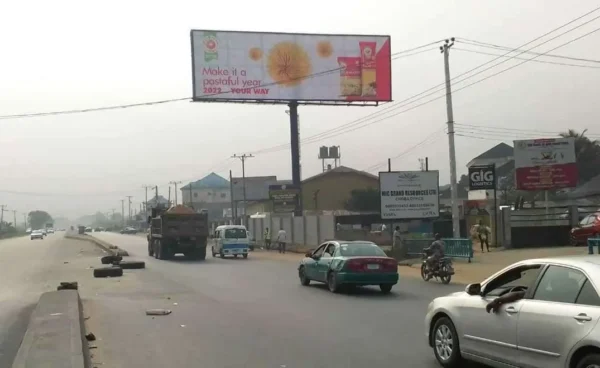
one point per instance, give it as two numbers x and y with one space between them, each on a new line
175 183
156 194
233 205
112 220
2 209
14 218
295 150
25 220
243 159
445 49
146 187
129 208
123 212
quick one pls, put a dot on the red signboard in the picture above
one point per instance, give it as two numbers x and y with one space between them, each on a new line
547 177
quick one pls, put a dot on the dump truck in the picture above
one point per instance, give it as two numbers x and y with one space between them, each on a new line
178 229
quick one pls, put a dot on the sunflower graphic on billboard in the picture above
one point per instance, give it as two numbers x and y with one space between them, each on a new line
288 64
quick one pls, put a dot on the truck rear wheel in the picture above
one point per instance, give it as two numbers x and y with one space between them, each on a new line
201 254
150 250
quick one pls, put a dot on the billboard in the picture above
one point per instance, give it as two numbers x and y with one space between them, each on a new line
544 164
285 198
229 65
482 177
409 194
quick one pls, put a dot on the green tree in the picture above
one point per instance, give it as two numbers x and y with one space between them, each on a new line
364 200
38 219
587 153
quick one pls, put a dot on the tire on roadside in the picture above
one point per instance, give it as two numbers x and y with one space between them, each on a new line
114 271
132 265
111 259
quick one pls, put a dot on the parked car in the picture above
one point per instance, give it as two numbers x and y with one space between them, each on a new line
37 234
554 324
129 230
589 227
88 229
28 231
342 264
44 232
50 231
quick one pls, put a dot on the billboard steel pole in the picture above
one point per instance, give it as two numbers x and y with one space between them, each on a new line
295 146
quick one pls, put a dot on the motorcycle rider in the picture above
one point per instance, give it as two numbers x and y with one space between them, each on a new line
435 252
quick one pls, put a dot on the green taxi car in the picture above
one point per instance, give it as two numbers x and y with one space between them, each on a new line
349 263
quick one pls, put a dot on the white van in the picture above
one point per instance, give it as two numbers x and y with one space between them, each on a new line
230 240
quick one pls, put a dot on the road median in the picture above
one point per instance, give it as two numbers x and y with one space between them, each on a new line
55 337
107 247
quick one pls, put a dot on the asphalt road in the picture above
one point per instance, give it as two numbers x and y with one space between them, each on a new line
27 269
254 313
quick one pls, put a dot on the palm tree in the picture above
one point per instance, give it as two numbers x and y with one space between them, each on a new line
587 153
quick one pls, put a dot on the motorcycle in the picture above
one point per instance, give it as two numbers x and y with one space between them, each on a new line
443 271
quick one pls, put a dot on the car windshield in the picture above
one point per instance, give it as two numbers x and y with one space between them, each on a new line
361 250
235 233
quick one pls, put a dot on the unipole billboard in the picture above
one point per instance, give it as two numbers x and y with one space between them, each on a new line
266 67
409 194
545 164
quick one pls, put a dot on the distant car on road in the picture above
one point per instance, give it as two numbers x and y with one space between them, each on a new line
50 231
28 231
88 229
37 234
129 230
44 232
342 264
552 320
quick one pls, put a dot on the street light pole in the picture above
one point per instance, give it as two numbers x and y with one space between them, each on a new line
243 158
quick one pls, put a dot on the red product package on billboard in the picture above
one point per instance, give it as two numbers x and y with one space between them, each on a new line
368 53
350 75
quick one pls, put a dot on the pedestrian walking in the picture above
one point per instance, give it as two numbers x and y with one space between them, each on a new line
484 235
267 238
281 240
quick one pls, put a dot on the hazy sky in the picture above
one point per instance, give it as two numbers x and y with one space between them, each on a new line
79 54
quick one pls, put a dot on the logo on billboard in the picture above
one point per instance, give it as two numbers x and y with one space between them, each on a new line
211 46
410 177
482 178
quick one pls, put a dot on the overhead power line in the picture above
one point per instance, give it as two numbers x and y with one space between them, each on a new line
394 56
429 139
493 46
537 61
515 130
434 90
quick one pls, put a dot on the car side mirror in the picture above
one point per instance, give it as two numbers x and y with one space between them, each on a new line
473 289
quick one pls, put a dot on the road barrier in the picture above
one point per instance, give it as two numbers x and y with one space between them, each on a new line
591 242
455 248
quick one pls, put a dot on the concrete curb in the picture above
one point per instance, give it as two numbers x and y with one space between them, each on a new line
55 337
108 248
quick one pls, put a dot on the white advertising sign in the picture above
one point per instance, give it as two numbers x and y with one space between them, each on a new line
409 194
260 66
542 152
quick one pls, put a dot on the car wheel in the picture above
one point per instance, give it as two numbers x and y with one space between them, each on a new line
589 361
385 288
332 283
445 343
150 251
304 280
235 256
222 255
246 256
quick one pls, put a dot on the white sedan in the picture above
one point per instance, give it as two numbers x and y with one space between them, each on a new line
37 234
552 320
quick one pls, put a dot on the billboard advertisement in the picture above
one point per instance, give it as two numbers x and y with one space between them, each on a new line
285 198
228 65
409 194
544 164
482 177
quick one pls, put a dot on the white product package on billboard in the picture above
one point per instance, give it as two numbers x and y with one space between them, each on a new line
541 152
409 194
230 65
